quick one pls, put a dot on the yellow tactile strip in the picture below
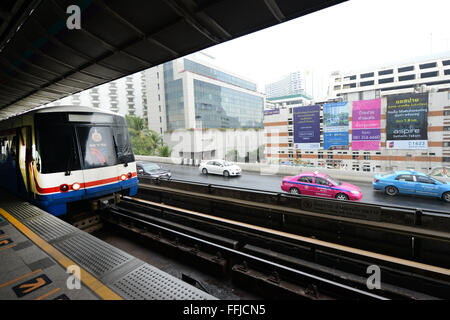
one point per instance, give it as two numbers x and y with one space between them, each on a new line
86 278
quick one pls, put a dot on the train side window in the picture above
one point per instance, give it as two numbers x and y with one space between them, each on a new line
13 147
4 148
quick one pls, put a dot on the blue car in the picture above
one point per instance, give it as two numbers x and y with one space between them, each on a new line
412 182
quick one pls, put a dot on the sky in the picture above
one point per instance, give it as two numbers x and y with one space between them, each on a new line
355 35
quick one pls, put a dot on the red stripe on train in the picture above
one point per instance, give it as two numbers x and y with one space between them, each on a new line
83 185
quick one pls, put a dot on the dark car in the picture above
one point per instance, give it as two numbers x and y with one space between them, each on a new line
150 169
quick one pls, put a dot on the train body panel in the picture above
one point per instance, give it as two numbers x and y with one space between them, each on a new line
60 155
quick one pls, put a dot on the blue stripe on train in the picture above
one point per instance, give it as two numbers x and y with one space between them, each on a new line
56 204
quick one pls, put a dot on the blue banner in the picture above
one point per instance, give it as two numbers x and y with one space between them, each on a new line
335 127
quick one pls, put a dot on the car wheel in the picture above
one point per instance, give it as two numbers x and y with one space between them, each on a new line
226 173
446 197
205 171
391 191
341 196
294 191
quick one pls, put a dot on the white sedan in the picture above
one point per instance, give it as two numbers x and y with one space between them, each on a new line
221 167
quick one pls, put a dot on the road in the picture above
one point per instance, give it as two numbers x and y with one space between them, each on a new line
255 180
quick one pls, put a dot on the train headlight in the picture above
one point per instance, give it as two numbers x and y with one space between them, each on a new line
123 177
64 188
76 186
129 175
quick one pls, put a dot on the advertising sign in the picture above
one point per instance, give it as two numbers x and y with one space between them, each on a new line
335 117
307 127
407 121
366 125
271 112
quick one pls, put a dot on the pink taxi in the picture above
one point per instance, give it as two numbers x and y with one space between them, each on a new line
320 185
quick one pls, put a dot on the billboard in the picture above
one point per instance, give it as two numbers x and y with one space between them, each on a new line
307 127
271 112
366 124
335 127
407 121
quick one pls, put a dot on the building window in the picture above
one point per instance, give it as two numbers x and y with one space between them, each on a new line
159 97
405 78
160 108
160 120
427 65
384 72
447 113
446 62
366 83
157 75
366 75
446 128
405 69
429 74
353 77
386 80
447 72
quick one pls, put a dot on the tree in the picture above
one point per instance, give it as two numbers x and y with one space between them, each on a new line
164 151
145 142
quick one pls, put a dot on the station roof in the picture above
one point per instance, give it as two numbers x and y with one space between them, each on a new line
42 60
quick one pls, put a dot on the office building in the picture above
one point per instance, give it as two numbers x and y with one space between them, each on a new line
202 111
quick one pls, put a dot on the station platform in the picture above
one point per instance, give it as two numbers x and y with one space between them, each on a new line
45 258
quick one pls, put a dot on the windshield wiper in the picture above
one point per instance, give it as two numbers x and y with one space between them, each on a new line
120 156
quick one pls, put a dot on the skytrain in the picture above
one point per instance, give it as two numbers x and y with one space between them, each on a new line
66 157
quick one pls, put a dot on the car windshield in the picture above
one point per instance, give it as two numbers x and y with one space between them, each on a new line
150 166
227 164
439 180
333 180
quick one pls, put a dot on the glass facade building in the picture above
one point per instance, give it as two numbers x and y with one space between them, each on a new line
215 106
218 75
220 107
174 99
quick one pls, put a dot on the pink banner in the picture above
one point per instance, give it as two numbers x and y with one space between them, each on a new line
366 145
366 115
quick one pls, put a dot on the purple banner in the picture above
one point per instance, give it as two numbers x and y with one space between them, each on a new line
307 125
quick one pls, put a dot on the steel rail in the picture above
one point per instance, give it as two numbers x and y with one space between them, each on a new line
354 292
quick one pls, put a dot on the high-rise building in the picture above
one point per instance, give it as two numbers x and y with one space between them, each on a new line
288 85
125 96
417 74
195 104
425 81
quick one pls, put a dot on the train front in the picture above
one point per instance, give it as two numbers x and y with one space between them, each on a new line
81 159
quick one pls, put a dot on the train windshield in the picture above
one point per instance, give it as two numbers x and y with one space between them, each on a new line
66 142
